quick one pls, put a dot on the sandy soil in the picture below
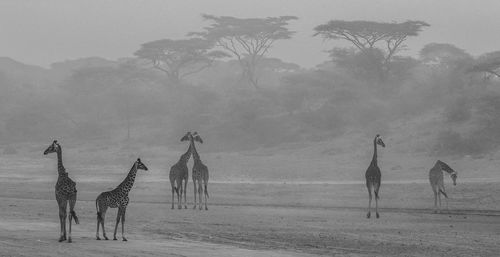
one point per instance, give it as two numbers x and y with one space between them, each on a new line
258 220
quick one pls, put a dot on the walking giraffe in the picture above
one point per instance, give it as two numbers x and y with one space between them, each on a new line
179 173
199 173
373 177
436 178
65 191
117 198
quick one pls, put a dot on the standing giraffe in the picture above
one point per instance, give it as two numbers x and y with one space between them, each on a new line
199 173
436 179
373 177
178 173
117 198
65 191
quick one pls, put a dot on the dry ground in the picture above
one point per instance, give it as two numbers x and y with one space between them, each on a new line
258 220
254 219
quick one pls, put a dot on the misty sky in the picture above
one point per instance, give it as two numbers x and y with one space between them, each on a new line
42 32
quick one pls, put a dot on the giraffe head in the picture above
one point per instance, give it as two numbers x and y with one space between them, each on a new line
379 141
453 176
449 170
53 148
197 138
187 137
140 165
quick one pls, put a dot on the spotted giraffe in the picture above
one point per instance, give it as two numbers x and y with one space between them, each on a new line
117 198
179 173
436 179
373 177
65 192
199 173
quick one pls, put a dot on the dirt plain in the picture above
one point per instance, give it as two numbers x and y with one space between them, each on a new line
251 219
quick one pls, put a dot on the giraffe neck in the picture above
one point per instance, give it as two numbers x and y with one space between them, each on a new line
196 156
185 156
128 182
374 159
445 167
60 167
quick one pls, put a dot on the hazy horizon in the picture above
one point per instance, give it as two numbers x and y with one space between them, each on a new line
65 30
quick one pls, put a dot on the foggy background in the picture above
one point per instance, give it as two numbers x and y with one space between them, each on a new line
73 71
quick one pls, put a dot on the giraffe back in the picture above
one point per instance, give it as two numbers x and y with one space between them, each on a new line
436 176
179 170
113 199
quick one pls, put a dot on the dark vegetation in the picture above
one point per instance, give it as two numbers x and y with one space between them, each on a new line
220 81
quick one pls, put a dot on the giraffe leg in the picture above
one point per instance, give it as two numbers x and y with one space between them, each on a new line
123 224
435 201
369 201
61 222
59 203
206 196
447 208
445 198
103 214
98 219
118 215
97 231
200 192
72 215
439 199
179 194
194 187
377 187
62 218
173 192
185 193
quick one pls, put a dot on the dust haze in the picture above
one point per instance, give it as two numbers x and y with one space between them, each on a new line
287 96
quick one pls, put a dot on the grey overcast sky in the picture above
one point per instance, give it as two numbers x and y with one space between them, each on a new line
45 31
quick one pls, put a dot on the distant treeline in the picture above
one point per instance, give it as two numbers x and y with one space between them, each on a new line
133 99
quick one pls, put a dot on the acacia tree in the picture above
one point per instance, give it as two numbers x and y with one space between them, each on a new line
179 58
369 36
488 63
247 39
443 54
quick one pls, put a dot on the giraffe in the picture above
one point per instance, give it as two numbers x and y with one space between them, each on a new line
373 177
436 179
117 198
178 173
199 173
65 192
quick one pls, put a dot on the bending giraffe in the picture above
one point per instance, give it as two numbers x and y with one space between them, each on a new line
199 173
373 177
436 178
65 192
179 173
117 198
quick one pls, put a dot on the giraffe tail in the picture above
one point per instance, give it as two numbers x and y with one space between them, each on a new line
442 192
99 216
206 191
73 214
